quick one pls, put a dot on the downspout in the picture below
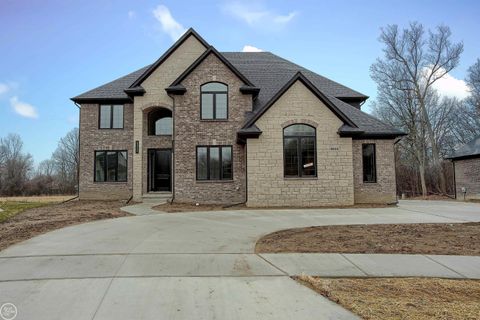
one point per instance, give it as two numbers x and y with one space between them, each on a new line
454 180
78 164
173 147
395 164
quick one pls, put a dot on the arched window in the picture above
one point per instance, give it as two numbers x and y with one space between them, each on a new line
299 151
160 122
214 101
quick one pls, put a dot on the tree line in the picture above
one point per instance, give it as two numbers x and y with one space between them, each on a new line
414 59
57 175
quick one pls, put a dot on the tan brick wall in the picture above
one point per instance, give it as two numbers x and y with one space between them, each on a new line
156 96
151 142
266 183
190 131
92 138
467 174
384 190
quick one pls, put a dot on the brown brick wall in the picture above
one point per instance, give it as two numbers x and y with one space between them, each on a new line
190 131
91 139
467 174
384 190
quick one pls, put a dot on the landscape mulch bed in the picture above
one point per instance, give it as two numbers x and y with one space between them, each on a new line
402 298
36 221
431 238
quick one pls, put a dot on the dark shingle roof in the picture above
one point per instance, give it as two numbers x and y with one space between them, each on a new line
470 149
269 73
113 90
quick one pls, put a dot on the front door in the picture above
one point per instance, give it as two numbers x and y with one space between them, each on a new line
159 170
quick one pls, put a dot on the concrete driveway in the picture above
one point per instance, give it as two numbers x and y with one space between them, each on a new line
197 265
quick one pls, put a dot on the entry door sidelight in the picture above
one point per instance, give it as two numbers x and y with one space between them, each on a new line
160 169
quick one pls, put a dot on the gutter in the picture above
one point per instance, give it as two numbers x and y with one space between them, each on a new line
78 164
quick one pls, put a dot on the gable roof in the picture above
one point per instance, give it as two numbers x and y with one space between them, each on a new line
299 77
469 150
203 56
178 43
265 75
111 91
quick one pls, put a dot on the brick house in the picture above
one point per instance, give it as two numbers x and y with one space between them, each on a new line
466 164
232 127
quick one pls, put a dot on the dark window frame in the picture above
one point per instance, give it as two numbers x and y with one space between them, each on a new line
208 162
111 117
214 102
299 152
106 167
374 163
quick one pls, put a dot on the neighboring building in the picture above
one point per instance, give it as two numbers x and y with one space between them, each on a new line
466 164
232 127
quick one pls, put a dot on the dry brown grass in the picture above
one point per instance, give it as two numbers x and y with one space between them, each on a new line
44 217
402 298
42 199
420 238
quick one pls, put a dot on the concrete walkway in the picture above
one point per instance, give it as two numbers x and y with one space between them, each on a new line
202 265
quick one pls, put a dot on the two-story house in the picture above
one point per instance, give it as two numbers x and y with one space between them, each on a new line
232 127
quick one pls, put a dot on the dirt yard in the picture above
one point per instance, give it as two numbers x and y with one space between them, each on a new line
402 298
187 207
453 239
33 222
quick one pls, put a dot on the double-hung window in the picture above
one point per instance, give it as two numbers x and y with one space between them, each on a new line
214 163
214 101
111 166
111 116
369 163
299 151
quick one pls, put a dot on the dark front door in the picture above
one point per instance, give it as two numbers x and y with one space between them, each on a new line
159 169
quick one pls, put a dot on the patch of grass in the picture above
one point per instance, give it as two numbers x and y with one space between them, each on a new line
402 298
12 208
415 238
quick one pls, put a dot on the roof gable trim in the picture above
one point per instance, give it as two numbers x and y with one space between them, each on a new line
300 77
178 43
194 65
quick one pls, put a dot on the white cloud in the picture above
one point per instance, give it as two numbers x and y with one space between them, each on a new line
169 25
22 108
249 48
4 88
451 87
258 16
132 14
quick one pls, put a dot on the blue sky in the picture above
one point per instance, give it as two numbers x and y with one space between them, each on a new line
53 50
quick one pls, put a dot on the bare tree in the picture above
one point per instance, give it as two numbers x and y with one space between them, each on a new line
15 166
413 62
65 160
473 81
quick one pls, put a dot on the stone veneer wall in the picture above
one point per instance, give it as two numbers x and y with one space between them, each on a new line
151 142
155 96
266 183
467 174
384 190
190 131
91 139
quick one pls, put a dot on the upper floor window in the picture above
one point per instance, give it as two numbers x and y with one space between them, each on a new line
299 151
160 123
369 162
214 101
111 116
